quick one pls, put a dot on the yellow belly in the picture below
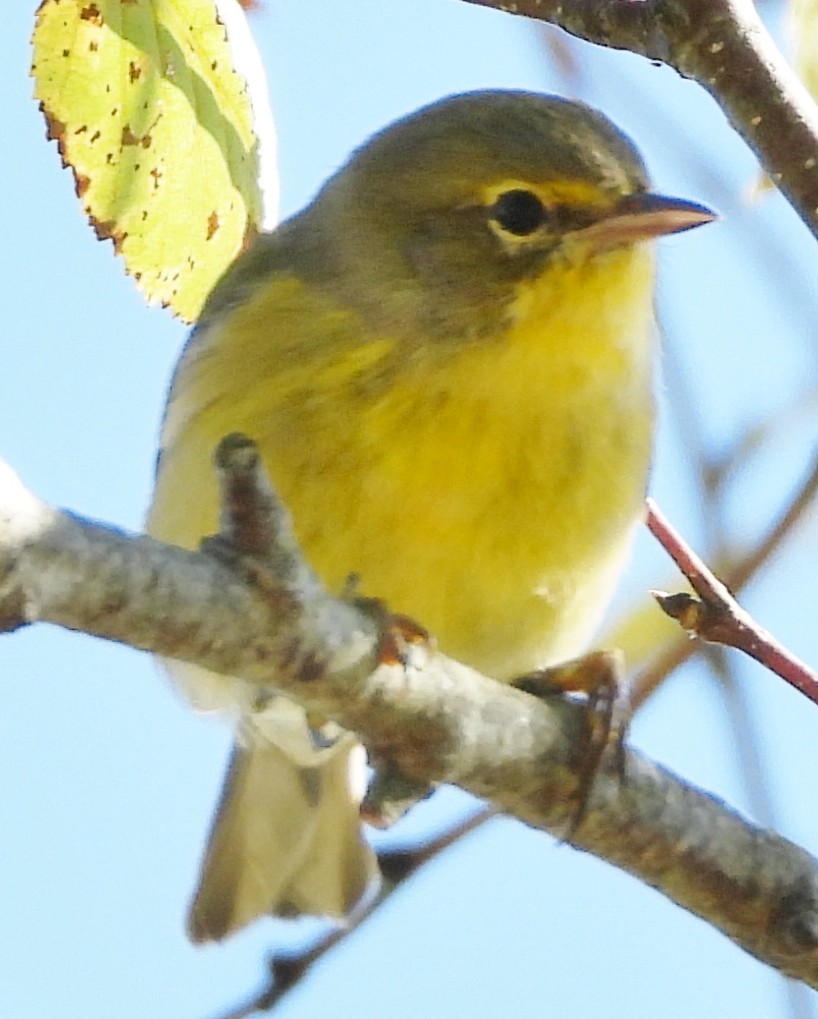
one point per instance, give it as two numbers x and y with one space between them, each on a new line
487 488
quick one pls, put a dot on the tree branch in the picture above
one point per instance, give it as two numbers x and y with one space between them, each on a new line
435 719
723 45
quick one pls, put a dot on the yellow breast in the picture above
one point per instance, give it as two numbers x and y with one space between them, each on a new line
487 488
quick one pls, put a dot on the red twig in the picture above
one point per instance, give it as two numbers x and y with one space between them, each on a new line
715 616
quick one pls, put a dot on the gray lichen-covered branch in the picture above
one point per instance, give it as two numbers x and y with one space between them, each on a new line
247 605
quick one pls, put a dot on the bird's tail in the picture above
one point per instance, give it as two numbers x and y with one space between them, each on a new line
286 840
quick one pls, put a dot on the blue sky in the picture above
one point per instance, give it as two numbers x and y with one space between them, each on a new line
107 781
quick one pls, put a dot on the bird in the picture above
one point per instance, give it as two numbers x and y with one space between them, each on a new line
447 361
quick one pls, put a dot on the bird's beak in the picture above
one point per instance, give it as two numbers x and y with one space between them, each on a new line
640 217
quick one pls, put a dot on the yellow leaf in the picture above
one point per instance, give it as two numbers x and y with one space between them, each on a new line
143 101
804 23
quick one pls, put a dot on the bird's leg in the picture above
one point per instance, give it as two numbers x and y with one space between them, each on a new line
600 676
391 794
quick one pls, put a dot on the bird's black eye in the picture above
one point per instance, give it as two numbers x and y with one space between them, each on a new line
519 212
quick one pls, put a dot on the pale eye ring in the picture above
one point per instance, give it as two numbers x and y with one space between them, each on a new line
518 212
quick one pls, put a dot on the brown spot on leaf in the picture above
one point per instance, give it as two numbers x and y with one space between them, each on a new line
91 13
157 175
83 182
93 46
212 224
55 128
134 71
95 136
66 53
128 137
104 229
81 130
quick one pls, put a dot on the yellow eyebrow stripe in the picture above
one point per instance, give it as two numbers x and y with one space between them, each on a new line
551 193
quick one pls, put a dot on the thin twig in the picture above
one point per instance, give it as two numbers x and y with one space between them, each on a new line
716 616
736 579
286 970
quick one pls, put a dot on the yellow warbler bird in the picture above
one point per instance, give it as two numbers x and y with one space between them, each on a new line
446 360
